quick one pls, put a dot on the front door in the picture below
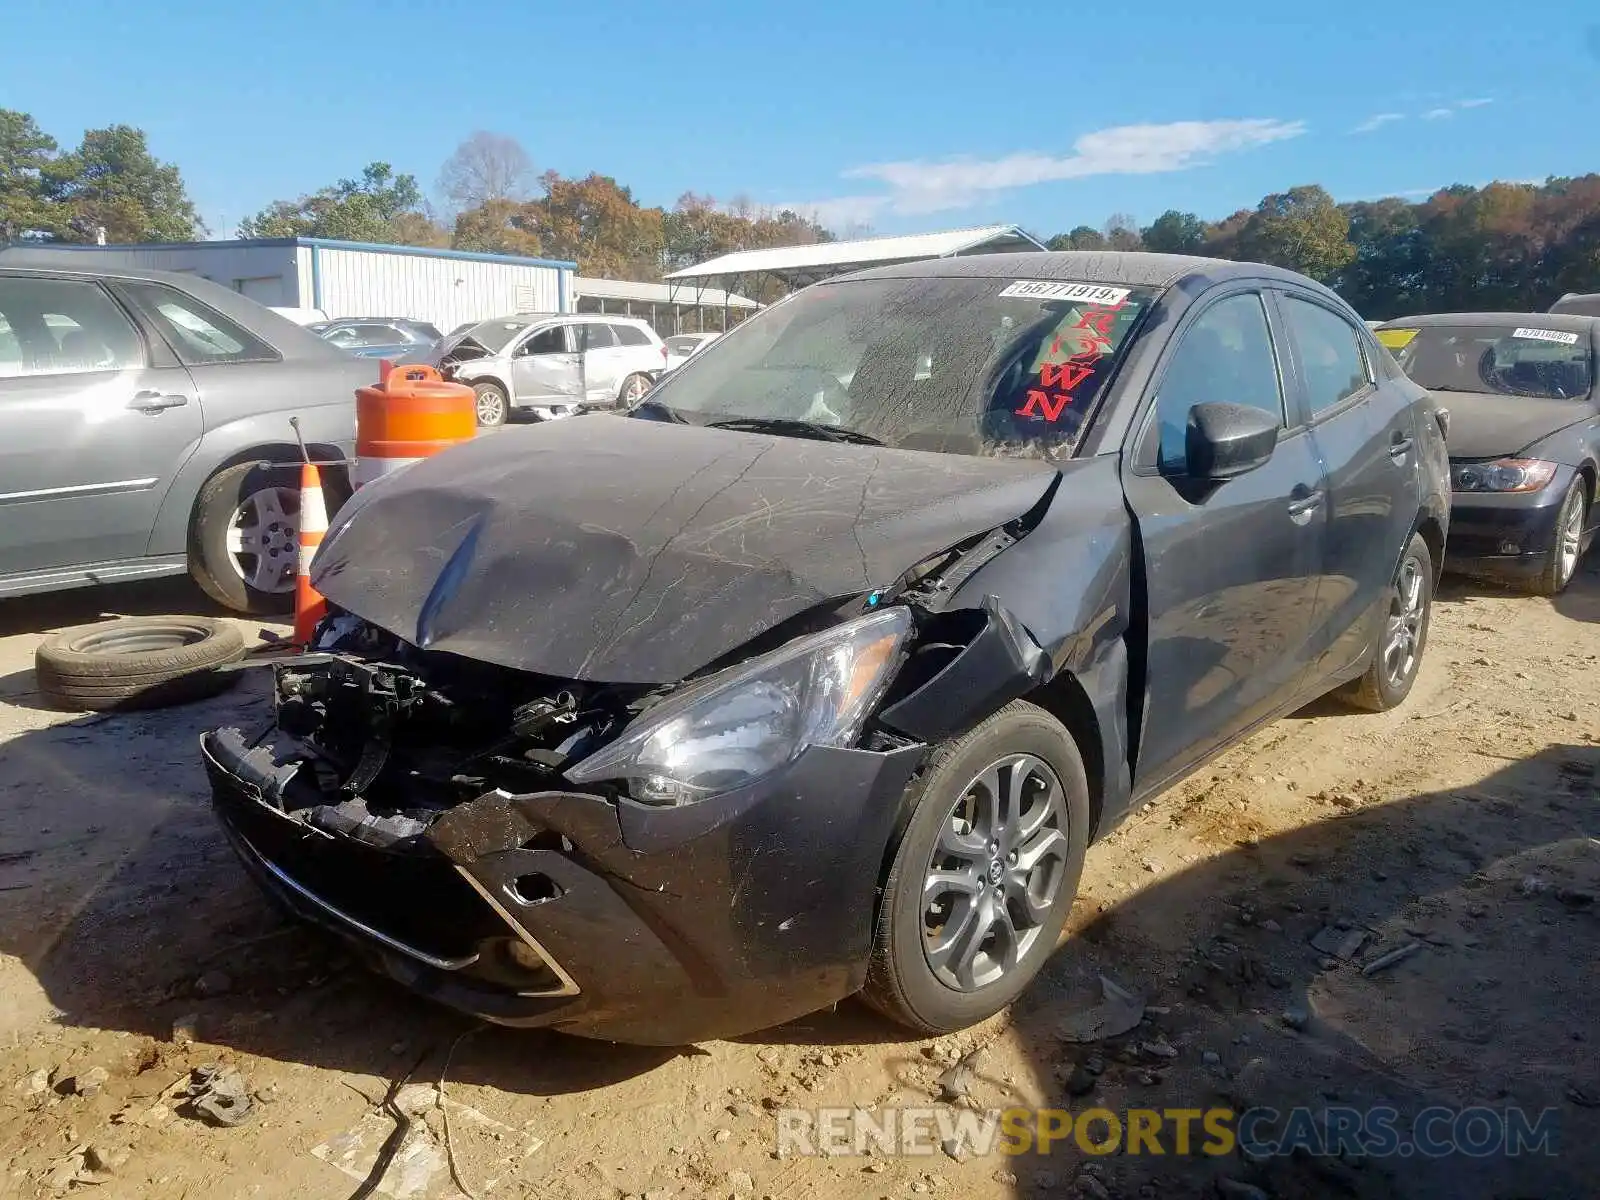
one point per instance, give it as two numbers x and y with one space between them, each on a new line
1230 569
1366 433
92 430
545 368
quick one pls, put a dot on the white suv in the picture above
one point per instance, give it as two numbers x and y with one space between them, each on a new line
553 365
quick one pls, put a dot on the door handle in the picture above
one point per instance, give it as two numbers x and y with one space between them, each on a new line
1400 447
1304 506
152 401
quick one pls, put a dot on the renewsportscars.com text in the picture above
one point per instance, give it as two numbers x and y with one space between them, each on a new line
1377 1132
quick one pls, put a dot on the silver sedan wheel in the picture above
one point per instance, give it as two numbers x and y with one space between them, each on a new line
1402 638
264 539
996 872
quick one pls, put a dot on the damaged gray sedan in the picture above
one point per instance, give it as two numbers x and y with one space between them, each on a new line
818 673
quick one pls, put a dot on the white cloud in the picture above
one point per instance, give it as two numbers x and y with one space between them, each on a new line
1479 103
1378 122
919 186
841 212
1438 114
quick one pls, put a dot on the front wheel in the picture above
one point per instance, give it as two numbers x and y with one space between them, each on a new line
492 404
1567 544
985 874
1398 657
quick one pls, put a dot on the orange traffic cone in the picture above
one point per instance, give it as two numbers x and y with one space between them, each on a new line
309 606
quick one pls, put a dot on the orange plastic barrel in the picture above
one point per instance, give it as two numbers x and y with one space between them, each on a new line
411 414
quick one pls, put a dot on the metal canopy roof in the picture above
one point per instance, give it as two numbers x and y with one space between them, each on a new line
798 266
657 293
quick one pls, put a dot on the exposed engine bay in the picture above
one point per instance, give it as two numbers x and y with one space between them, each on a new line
388 736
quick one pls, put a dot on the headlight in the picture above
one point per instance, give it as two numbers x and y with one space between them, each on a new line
742 723
1504 475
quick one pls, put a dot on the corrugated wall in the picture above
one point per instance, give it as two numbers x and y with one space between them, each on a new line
446 291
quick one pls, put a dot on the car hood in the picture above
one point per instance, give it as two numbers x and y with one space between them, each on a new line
630 551
1486 425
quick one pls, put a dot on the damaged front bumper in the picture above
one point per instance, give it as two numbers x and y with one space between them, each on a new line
592 915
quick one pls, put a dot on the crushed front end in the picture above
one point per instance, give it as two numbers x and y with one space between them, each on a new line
419 805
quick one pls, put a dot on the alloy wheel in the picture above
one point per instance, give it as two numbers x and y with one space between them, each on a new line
1402 640
1569 539
995 873
264 539
491 408
634 391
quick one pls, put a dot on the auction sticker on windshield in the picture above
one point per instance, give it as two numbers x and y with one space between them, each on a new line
1547 335
1045 289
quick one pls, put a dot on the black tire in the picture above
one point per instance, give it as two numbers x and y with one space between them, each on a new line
212 564
638 377
493 406
1382 687
137 662
901 983
1558 573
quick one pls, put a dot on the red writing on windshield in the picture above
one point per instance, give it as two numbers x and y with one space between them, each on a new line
1041 405
1090 341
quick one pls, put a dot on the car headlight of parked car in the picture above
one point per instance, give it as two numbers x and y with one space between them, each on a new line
743 723
1504 475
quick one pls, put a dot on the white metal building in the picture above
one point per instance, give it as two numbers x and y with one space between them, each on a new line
357 279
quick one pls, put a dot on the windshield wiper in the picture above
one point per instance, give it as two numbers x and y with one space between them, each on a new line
789 427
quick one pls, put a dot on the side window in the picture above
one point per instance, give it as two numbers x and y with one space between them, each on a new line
596 335
62 326
1330 353
201 336
546 341
630 335
1225 356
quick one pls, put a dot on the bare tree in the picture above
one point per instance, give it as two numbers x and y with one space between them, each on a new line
487 166
1122 232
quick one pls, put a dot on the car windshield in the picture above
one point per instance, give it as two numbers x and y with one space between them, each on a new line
961 365
1511 360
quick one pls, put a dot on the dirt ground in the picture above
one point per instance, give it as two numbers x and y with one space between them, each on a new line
133 949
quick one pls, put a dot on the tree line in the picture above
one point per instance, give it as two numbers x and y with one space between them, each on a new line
1515 246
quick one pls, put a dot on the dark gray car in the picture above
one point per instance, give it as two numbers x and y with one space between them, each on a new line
1524 436
820 670
136 411
399 339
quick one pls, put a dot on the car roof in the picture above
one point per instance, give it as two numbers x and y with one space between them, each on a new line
289 338
1130 268
1564 322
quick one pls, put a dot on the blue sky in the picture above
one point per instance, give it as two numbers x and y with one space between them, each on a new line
904 115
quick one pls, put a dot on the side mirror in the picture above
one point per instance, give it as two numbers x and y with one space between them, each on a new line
1224 441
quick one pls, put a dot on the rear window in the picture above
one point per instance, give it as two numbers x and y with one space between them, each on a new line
1509 360
682 345
199 335
960 365
631 335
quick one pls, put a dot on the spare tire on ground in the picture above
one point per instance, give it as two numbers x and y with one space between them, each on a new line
137 662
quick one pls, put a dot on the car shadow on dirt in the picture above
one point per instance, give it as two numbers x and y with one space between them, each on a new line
126 905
